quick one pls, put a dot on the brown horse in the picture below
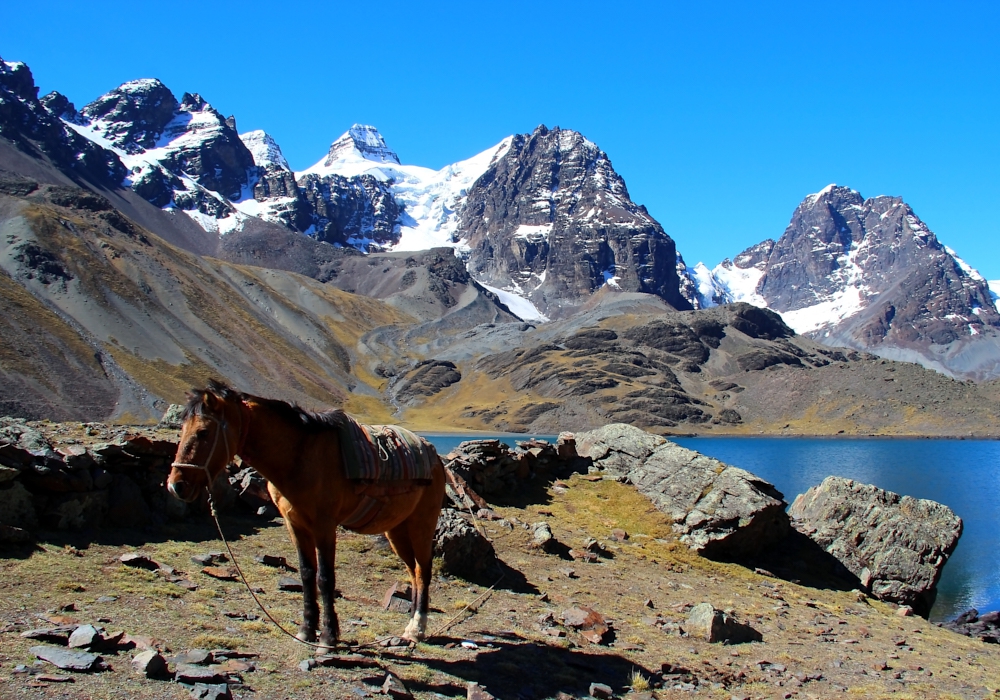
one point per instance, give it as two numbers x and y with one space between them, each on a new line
300 454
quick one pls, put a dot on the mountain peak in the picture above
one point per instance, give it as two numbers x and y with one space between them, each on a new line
364 141
264 149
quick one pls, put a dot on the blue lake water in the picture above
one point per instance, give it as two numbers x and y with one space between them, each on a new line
962 474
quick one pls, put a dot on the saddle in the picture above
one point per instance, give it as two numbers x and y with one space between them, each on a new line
382 461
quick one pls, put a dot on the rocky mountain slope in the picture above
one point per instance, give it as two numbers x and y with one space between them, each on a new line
112 309
554 198
869 274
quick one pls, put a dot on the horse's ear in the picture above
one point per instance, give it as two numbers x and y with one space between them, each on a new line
212 402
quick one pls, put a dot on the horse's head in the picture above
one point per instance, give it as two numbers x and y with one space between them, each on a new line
210 437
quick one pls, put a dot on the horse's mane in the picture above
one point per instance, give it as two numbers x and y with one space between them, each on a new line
312 421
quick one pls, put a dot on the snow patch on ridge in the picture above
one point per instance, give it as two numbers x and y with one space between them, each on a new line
518 304
533 234
431 198
739 283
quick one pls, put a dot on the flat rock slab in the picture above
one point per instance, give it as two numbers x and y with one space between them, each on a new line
718 510
211 691
139 561
896 545
194 657
191 674
55 635
223 573
292 585
68 660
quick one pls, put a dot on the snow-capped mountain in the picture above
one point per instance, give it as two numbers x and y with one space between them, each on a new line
429 200
869 274
25 120
181 155
552 222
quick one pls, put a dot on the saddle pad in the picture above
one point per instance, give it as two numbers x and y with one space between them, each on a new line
381 453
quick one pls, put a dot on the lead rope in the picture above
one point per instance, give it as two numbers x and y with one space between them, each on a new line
376 642
220 428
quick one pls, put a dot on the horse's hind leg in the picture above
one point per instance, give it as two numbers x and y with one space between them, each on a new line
402 544
327 552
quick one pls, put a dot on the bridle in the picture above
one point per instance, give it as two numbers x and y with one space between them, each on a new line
221 426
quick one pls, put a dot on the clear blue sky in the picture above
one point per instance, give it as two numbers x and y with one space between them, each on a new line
721 116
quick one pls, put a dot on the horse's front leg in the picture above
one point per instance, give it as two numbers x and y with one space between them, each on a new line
310 607
305 546
327 556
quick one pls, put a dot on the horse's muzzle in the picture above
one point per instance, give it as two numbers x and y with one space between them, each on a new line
182 491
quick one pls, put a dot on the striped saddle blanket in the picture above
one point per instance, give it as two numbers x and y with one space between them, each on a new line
385 453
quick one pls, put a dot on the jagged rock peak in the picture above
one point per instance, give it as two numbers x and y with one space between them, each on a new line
364 141
754 256
134 114
60 106
834 194
265 150
17 77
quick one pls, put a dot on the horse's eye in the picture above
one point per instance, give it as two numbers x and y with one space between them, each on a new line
201 433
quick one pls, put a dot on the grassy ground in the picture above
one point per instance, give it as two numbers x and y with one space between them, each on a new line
830 643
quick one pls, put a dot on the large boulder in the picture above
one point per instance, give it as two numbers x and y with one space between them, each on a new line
721 511
463 550
17 507
896 545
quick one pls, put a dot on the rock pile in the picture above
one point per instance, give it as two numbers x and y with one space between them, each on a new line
985 627
97 476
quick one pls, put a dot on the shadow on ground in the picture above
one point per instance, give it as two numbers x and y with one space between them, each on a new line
530 670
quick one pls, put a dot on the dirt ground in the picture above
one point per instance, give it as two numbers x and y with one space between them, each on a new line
818 643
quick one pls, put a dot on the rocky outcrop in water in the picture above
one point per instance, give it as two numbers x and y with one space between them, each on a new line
896 545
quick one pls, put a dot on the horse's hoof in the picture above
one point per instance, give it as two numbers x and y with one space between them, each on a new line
305 636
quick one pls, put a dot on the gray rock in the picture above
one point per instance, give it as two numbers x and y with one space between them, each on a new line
289 584
211 691
718 510
474 691
17 507
150 663
191 674
8 473
600 690
896 545
85 637
68 660
464 551
542 536
171 419
717 626
617 448
55 635
394 686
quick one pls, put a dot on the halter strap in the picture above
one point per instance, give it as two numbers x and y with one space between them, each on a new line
220 429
